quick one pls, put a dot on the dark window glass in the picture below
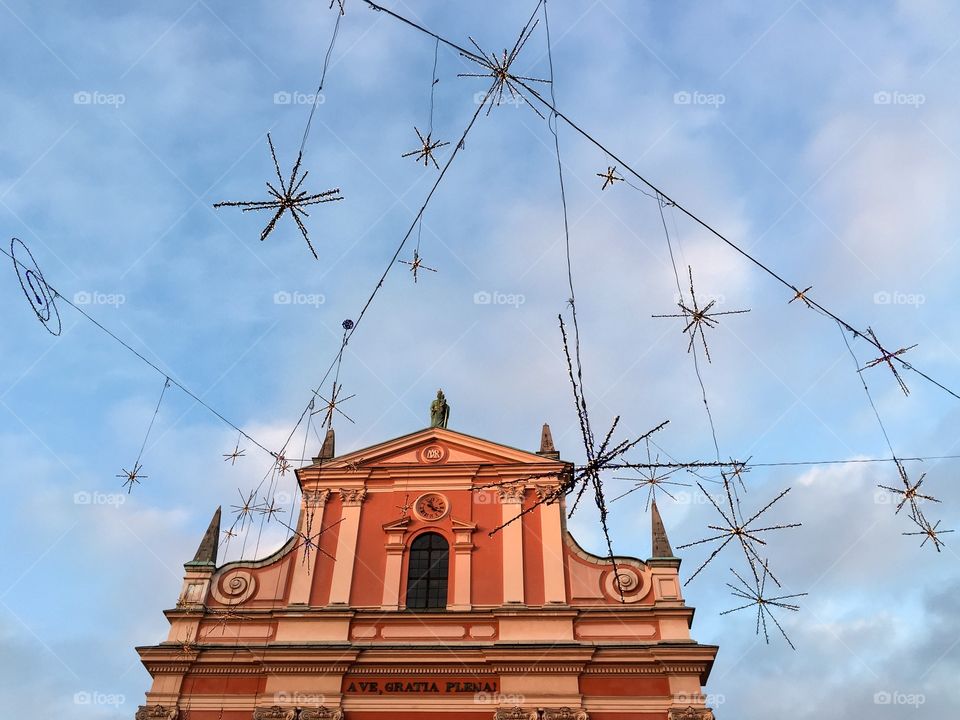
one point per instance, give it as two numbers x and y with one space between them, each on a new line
427 573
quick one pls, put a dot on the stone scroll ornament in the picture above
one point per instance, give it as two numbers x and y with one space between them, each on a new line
157 712
565 713
691 713
320 713
234 587
275 713
516 713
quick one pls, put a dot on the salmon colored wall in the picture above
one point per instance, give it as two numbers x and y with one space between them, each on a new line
217 686
371 560
533 593
615 685
323 571
487 586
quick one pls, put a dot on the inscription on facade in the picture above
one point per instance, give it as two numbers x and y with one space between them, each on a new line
430 686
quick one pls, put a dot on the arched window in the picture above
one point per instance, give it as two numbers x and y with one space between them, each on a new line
427 573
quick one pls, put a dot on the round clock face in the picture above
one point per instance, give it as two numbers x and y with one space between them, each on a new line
431 506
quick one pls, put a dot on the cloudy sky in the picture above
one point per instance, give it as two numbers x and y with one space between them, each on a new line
822 138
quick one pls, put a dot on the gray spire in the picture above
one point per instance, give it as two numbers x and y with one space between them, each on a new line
328 450
207 552
546 444
661 545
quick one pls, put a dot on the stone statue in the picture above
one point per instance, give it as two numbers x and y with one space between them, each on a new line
439 411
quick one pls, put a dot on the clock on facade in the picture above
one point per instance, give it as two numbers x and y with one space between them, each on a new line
431 506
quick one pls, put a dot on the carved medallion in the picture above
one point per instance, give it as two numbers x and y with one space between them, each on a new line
433 454
157 712
275 713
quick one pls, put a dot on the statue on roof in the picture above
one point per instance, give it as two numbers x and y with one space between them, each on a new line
439 411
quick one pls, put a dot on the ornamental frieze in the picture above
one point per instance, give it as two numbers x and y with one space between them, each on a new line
157 712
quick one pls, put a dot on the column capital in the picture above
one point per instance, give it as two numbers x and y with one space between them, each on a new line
512 494
316 498
157 712
352 496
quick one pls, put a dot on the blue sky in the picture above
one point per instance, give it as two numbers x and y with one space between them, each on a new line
821 137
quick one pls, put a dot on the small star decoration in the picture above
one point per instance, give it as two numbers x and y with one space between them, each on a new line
416 265
802 296
131 477
652 479
236 453
425 152
610 177
291 198
887 357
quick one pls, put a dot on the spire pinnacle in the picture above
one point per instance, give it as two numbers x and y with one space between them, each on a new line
207 552
328 450
661 545
547 448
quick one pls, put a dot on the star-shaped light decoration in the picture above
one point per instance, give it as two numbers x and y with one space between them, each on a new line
738 530
802 296
308 540
282 465
246 508
426 149
223 617
652 479
270 510
131 477
500 69
289 197
738 468
333 404
887 357
911 491
610 177
930 532
755 595
697 318
405 507
416 265
235 454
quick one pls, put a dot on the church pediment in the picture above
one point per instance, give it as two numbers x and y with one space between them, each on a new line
434 447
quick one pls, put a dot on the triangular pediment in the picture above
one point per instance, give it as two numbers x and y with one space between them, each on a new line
436 446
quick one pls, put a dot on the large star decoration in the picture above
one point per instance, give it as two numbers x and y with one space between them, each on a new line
755 594
500 69
426 149
697 318
289 197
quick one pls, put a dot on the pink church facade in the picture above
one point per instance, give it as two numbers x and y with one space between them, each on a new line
400 598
